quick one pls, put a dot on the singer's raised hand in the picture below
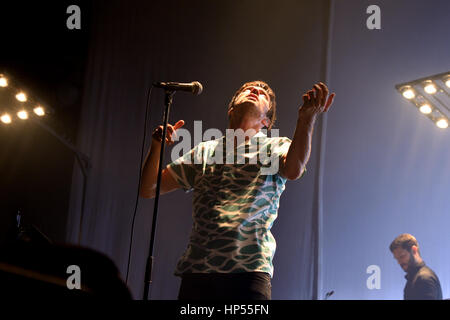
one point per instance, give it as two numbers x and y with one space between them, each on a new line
170 134
316 101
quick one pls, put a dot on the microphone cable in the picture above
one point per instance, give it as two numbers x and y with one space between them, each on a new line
147 109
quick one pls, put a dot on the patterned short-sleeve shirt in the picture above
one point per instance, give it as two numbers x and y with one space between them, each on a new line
234 204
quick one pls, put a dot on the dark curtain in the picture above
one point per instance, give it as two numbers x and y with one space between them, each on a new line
222 45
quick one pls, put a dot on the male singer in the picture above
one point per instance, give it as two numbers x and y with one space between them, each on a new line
231 248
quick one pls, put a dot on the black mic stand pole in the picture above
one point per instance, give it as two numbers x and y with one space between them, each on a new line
149 267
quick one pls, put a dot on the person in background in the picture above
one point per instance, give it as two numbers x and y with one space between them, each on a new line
422 283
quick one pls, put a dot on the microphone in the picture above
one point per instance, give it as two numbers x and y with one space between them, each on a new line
194 87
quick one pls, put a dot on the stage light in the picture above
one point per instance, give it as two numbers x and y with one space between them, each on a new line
22 114
446 80
430 95
3 81
429 87
22 97
425 109
39 111
442 123
408 92
6 118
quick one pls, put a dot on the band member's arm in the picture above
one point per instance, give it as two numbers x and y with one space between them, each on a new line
315 102
150 170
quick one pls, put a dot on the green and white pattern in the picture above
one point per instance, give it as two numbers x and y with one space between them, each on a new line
234 207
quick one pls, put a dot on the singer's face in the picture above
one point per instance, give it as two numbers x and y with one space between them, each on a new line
252 100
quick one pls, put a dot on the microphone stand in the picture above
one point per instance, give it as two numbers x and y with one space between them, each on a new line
149 267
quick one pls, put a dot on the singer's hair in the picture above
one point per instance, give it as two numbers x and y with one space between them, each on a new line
271 113
404 241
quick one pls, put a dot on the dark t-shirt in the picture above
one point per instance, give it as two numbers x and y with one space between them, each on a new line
422 284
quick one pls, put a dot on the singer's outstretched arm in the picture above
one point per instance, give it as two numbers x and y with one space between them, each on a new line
150 171
315 102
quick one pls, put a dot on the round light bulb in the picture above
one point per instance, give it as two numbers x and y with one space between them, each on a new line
442 123
408 94
22 114
425 109
6 118
22 97
430 88
39 111
447 83
3 82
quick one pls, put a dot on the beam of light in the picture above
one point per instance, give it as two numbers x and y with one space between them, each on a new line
3 81
22 97
39 111
22 114
408 93
6 118
442 123
425 109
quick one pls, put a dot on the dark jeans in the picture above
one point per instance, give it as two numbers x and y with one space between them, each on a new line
225 286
